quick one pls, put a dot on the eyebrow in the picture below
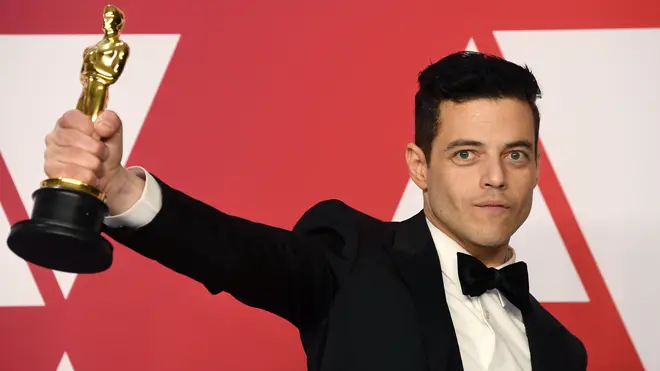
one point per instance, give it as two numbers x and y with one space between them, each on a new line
463 143
475 143
520 143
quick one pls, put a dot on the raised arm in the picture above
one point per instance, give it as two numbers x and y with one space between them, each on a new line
284 272
288 273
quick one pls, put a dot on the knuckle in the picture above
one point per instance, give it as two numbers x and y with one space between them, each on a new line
67 118
54 137
98 148
48 140
51 169
61 136
50 153
73 114
75 119
61 121
86 126
95 163
68 170
86 176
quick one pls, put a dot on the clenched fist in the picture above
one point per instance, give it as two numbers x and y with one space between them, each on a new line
91 153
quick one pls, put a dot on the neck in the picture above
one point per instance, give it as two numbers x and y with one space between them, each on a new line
491 256
110 35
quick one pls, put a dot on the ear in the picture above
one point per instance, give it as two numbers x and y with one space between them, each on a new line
417 165
538 165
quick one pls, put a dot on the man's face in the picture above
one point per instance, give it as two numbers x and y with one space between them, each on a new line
483 170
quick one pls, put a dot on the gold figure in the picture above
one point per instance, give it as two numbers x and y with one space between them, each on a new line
103 64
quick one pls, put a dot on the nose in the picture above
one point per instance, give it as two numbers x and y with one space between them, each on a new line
493 174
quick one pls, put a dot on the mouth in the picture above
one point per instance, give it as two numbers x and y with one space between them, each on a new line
493 205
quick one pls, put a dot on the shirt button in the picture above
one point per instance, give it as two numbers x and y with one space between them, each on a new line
487 315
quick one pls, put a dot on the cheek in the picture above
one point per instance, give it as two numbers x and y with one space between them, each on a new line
526 197
447 192
529 198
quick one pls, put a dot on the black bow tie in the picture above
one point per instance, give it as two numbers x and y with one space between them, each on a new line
511 281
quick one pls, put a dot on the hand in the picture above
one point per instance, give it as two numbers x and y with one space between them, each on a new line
91 153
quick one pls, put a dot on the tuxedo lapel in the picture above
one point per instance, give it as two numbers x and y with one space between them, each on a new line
548 343
416 259
413 253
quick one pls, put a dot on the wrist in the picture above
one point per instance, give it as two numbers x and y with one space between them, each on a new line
126 191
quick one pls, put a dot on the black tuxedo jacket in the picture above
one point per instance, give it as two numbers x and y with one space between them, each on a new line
364 294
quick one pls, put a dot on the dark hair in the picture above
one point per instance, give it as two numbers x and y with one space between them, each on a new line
465 76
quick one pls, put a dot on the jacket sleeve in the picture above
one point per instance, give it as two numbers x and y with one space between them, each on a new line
288 273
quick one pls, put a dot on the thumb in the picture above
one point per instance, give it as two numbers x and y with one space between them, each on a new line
108 126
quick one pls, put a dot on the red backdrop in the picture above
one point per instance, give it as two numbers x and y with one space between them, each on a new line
265 108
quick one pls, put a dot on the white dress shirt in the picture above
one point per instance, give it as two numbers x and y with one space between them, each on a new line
489 329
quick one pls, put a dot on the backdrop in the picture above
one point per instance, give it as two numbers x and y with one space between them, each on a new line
262 108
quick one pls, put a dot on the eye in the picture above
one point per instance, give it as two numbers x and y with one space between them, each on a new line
463 155
518 156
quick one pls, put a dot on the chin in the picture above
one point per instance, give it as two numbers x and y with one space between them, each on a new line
490 244
491 240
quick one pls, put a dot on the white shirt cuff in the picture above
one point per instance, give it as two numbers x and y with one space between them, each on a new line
145 209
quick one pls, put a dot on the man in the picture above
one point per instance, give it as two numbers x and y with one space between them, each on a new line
440 291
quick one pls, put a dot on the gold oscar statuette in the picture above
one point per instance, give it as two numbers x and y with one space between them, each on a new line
64 231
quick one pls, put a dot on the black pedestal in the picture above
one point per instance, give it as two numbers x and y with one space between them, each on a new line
64 232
